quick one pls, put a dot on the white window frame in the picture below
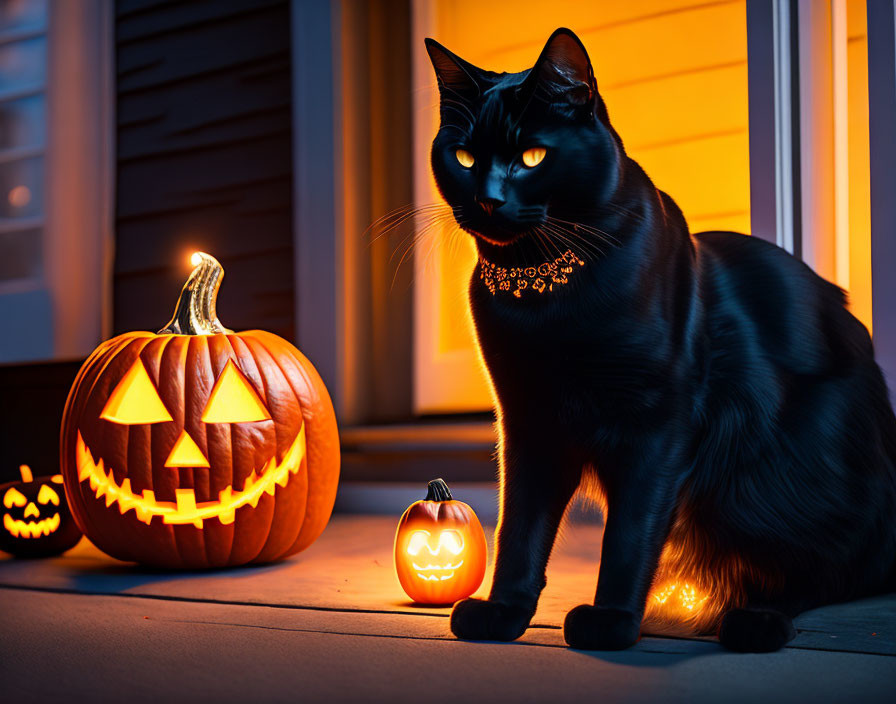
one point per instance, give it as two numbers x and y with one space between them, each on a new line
65 312
797 69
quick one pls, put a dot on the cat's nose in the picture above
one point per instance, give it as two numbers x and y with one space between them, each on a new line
490 205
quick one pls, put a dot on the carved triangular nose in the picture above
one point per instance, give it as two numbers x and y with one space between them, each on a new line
31 510
186 453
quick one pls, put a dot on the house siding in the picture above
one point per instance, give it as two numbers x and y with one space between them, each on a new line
204 145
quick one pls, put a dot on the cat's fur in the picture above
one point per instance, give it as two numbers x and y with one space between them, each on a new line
710 388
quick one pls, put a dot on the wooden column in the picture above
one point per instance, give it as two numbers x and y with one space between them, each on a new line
774 119
882 112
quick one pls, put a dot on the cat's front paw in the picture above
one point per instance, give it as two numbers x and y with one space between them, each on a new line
601 628
477 619
755 630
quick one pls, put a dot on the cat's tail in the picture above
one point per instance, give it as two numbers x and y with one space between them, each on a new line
686 600
682 608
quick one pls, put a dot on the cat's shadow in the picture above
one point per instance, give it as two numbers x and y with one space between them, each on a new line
656 652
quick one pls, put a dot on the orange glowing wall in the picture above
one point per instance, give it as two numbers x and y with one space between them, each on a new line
859 165
674 77
673 74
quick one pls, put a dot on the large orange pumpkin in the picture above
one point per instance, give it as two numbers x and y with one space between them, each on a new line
440 549
199 447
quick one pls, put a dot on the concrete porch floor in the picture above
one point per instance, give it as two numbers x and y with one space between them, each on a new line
333 625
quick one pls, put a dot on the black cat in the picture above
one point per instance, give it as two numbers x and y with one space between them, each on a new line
710 389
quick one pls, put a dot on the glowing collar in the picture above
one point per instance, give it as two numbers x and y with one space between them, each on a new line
539 278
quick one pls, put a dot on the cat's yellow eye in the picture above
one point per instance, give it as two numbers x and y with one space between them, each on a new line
464 158
532 157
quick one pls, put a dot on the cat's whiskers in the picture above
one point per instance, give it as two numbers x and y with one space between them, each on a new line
447 237
431 227
539 242
603 234
583 247
572 237
408 242
586 255
394 219
397 221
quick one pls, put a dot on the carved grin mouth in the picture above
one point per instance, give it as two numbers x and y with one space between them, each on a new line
30 529
186 510
436 568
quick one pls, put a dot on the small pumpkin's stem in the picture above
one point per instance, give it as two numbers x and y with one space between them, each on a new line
438 491
25 471
195 311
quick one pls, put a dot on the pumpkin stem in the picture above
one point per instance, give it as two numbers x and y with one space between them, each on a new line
195 313
438 491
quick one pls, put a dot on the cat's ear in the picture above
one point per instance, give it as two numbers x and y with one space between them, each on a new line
563 70
454 75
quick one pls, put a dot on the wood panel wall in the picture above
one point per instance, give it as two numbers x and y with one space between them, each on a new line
204 158
32 397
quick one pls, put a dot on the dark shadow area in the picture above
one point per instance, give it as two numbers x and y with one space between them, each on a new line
654 652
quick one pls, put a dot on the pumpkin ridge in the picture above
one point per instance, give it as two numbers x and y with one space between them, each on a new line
168 343
234 541
276 362
297 362
182 368
264 384
256 348
127 340
239 356
202 343
230 530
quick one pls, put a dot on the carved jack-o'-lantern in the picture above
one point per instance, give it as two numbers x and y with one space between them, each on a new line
36 519
440 549
200 447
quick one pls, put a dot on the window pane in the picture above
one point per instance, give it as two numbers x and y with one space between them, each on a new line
23 64
20 254
22 123
23 14
21 188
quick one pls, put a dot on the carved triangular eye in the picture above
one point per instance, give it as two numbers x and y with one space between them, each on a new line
233 400
46 495
135 400
14 497
452 540
419 540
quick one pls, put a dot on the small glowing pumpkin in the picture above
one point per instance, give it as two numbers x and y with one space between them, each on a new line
198 447
36 519
440 549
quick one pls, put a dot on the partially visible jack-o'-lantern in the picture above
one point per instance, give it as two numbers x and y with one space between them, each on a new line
440 549
199 447
36 519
